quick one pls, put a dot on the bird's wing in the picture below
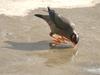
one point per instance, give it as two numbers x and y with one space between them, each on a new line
59 21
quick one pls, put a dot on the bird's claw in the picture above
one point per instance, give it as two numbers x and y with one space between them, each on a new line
52 44
57 39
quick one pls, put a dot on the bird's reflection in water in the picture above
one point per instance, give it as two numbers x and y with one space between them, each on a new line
58 56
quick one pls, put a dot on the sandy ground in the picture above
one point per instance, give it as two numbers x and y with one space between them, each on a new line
24 46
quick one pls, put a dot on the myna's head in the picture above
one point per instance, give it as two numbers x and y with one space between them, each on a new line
74 38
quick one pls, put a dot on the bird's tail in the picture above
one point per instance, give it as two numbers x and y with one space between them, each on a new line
39 15
45 17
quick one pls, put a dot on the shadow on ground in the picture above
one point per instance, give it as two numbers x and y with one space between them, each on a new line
40 45
54 56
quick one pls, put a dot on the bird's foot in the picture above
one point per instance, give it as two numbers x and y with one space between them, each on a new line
57 40
52 45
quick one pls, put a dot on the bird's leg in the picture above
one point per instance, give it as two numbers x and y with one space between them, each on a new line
55 40
58 39
64 39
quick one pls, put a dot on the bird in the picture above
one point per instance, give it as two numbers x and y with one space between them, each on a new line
62 29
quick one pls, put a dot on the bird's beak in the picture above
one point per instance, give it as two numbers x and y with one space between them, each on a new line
74 45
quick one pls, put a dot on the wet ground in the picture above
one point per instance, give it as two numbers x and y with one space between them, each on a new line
24 48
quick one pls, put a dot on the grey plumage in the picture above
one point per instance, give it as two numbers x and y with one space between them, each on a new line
58 24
